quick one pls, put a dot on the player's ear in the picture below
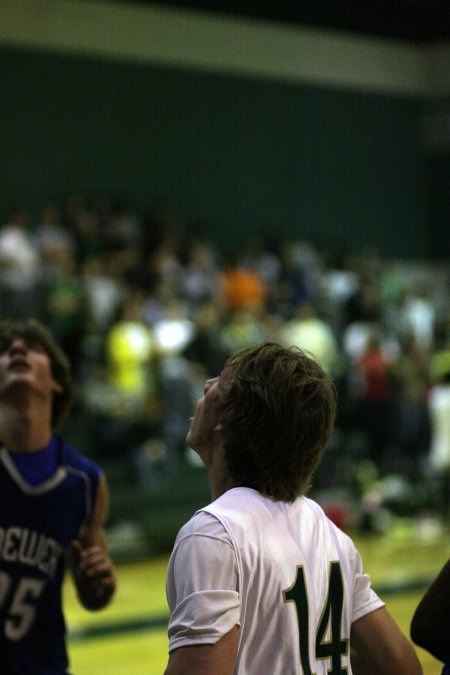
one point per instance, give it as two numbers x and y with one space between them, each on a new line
57 388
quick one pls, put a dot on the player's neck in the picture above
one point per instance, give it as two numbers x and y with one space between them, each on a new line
23 430
219 479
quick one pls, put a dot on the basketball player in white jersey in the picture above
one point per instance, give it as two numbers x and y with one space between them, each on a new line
261 582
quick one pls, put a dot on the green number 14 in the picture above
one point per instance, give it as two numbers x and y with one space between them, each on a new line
331 618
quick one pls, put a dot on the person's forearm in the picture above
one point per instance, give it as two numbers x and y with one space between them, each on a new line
360 665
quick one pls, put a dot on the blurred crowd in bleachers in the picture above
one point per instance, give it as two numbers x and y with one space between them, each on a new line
148 307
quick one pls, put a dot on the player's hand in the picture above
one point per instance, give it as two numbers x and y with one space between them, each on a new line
94 575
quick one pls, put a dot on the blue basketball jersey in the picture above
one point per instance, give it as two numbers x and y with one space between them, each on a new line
37 524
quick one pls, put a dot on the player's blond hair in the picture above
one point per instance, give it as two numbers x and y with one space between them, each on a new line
277 413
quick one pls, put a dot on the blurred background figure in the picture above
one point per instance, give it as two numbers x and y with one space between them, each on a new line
439 414
207 350
130 346
374 401
240 288
53 238
411 386
65 304
310 332
122 396
20 271
173 332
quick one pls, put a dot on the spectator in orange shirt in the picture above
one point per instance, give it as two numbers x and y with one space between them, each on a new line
240 287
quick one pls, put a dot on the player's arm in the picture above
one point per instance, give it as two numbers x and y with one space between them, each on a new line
430 626
92 569
215 659
380 648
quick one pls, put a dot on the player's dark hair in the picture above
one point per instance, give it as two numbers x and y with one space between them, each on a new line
33 331
277 414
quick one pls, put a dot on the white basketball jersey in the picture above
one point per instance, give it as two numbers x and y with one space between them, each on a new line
284 573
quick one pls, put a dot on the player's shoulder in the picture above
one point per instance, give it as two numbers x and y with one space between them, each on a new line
202 524
71 458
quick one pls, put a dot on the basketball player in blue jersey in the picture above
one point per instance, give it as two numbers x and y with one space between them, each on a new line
260 581
53 504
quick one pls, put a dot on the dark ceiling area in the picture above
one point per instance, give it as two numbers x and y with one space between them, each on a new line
421 21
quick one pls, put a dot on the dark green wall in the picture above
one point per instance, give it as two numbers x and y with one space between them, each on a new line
440 202
243 154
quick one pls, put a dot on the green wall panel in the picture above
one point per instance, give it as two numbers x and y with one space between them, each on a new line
440 203
243 154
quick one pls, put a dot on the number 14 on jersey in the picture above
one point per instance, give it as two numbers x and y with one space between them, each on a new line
331 620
